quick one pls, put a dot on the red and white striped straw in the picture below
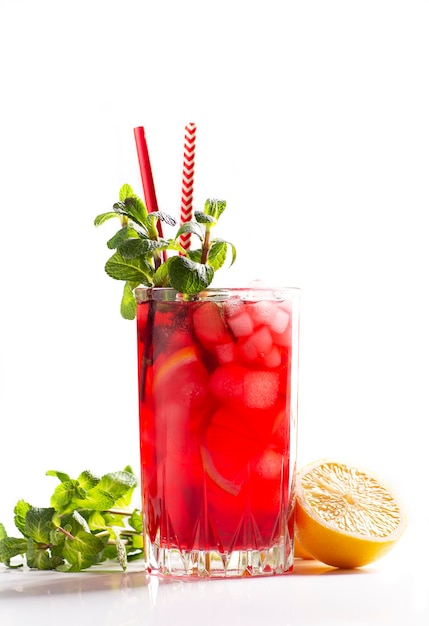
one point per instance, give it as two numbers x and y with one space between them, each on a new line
188 182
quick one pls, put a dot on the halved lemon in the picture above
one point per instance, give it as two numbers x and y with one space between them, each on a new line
299 552
346 516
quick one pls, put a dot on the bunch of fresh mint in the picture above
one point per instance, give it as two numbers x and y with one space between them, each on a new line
140 256
88 522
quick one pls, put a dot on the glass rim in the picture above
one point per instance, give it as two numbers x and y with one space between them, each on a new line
273 293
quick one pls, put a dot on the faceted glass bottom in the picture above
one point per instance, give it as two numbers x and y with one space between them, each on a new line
276 560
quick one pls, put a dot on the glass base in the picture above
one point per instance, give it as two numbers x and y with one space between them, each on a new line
172 562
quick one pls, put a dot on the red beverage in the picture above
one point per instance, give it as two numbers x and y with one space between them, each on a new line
217 379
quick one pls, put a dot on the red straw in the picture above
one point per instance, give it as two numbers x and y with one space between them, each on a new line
188 182
146 175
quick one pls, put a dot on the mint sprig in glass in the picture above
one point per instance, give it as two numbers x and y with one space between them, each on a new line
141 257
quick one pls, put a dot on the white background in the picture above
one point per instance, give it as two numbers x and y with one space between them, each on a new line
312 122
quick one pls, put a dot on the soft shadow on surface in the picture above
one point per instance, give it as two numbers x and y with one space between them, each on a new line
309 567
29 583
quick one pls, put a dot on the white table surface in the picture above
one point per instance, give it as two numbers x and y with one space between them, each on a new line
394 590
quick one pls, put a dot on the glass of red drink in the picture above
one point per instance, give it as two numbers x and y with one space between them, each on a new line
218 409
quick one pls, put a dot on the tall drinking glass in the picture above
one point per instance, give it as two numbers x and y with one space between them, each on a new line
218 411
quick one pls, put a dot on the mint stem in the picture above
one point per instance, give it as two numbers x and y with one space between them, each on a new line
206 247
156 260
66 533
147 347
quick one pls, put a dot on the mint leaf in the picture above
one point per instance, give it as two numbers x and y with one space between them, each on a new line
132 208
128 302
97 521
10 547
38 524
60 475
118 483
137 546
124 233
195 255
83 551
87 480
189 277
74 522
218 252
65 493
164 217
132 270
191 227
136 521
20 510
135 206
203 218
125 192
214 207
133 248
103 217
161 277
96 499
40 558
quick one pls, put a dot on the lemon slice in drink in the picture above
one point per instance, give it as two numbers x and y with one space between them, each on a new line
345 516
